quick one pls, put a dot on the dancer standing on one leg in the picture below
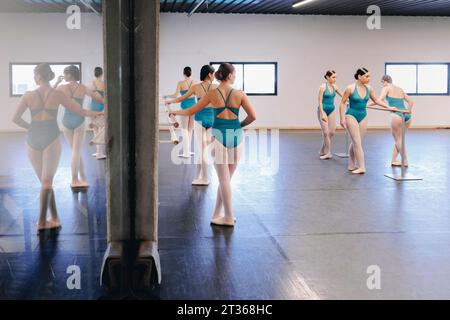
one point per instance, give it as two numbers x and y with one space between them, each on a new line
203 122
326 113
98 86
44 148
228 135
188 122
355 120
396 97
74 128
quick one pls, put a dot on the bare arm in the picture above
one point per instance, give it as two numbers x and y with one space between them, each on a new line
382 97
203 103
177 92
20 110
251 115
73 106
343 105
410 102
183 97
378 102
94 95
321 91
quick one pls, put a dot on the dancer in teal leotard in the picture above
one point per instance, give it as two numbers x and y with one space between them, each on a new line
355 119
98 86
187 123
396 97
326 113
228 136
44 147
203 123
74 128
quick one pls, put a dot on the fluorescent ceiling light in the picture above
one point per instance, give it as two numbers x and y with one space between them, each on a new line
301 3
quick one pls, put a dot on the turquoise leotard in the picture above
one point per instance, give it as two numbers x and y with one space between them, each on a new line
41 134
358 105
206 116
73 120
398 103
328 100
227 131
190 102
97 106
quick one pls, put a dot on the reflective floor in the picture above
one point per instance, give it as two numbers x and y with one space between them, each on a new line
308 231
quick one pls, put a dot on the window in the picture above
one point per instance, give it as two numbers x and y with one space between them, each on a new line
421 78
255 78
22 76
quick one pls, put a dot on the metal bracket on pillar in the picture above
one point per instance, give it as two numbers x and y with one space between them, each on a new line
147 270
112 273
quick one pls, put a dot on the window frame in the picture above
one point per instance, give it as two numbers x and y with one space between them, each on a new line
11 64
275 64
417 64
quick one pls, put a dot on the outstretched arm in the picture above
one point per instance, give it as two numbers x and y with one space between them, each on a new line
338 91
183 97
195 109
379 102
20 110
251 115
75 107
382 97
94 95
177 92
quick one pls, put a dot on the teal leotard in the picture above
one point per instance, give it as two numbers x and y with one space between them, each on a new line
97 106
328 100
206 116
227 131
41 134
190 102
73 120
398 103
358 105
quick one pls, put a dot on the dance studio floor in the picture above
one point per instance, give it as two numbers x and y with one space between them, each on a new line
308 232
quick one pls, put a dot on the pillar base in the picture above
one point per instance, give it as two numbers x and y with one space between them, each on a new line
112 274
147 270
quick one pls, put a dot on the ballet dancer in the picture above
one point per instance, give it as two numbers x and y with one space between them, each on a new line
396 97
188 122
74 128
98 85
227 136
326 114
203 122
355 119
44 147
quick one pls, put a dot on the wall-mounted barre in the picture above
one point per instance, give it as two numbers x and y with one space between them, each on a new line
172 124
404 176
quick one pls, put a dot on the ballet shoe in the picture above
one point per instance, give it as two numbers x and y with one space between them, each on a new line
94 155
49 225
222 222
222 215
79 185
326 157
192 153
101 157
352 168
359 171
184 156
396 164
200 182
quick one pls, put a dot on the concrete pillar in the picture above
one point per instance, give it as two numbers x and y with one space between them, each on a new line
131 29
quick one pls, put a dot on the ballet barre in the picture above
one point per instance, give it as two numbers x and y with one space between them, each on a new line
98 123
347 146
403 176
171 125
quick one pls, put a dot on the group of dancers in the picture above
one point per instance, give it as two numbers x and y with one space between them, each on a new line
44 147
354 119
216 109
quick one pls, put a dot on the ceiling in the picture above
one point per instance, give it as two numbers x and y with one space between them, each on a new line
320 7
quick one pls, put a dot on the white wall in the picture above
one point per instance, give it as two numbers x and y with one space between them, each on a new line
45 38
305 47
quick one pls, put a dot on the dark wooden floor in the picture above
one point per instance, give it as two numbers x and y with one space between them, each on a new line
309 231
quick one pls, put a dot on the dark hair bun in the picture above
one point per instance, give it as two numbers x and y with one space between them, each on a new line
329 74
74 72
224 71
187 71
45 72
98 72
360 72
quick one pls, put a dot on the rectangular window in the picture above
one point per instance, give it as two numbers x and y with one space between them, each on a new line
22 76
421 78
255 78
